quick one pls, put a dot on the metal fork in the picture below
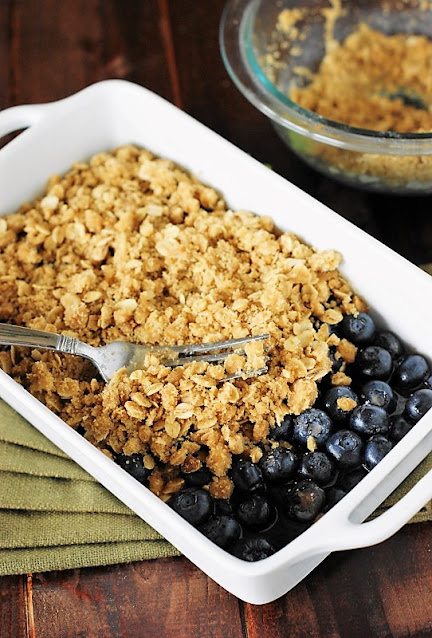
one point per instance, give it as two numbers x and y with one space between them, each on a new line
122 354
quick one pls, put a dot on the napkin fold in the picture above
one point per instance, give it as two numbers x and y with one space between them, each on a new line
46 559
54 515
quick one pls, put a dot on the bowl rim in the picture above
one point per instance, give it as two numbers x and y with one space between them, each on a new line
235 41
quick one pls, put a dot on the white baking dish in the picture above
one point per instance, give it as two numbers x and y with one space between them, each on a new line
113 113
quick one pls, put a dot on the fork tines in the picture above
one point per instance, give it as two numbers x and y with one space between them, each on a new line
200 352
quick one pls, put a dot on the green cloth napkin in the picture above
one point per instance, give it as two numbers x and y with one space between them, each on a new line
46 559
53 515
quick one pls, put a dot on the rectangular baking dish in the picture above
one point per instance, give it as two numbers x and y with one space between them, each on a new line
114 112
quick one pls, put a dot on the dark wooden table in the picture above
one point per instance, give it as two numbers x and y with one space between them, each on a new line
50 49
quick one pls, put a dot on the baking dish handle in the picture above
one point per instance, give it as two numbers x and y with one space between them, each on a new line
348 534
20 117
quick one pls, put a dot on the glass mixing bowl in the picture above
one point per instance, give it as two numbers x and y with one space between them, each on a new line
265 64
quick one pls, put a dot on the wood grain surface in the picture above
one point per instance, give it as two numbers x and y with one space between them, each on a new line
51 49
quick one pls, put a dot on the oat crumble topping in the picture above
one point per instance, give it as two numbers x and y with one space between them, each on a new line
130 246
368 80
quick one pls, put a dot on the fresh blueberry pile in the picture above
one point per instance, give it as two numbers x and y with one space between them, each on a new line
352 429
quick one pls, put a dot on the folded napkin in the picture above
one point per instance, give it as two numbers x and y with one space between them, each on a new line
53 515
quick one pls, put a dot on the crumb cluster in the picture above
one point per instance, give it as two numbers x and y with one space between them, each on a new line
131 247
374 81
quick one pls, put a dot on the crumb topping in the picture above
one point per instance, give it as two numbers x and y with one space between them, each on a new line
129 246
346 404
374 81
311 444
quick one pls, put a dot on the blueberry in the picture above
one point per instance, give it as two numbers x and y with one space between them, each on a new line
418 404
360 330
348 480
283 431
389 341
333 496
339 402
278 465
376 449
253 549
399 426
374 362
255 512
410 372
379 393
345 448
224 507
193 504
368 419
247 476
316 466
428 382
222 530
312 422
333 329
134 465
336 361
200 477
304 501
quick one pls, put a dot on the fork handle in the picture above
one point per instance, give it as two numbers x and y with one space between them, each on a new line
22 336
